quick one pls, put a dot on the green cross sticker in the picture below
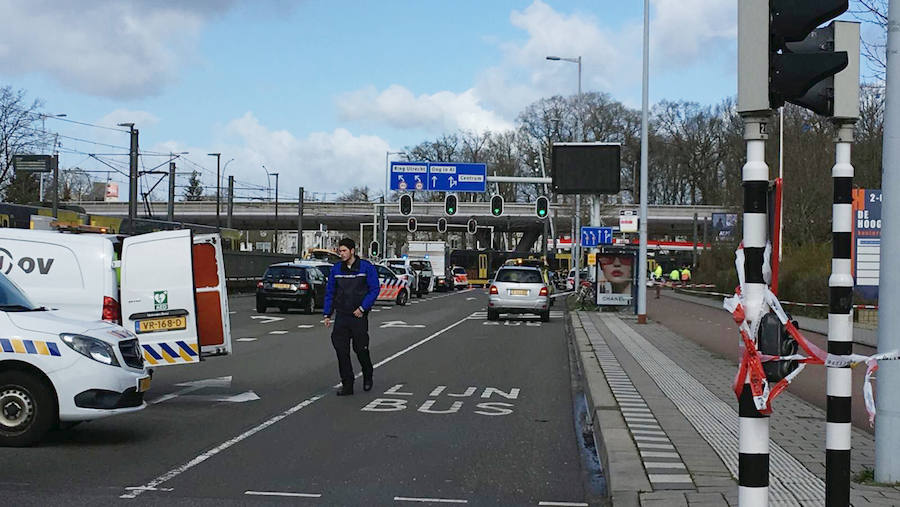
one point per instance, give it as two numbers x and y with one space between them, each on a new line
161 300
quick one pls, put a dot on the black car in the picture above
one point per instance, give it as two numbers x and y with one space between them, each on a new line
289 285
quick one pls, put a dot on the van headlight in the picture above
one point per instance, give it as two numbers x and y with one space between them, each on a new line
91 347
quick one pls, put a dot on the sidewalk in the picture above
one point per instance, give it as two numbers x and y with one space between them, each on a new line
666 424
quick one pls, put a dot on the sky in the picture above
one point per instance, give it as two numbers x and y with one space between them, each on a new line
320 91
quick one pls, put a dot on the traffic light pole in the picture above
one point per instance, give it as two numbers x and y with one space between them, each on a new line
576 244
887 438
839 379
753 447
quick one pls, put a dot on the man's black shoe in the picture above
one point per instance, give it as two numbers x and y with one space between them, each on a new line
344 391
367 385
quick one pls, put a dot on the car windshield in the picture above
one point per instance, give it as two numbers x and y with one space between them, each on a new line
459 270
12 298
285 272
399 266
519 276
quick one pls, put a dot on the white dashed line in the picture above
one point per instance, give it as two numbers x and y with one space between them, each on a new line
246 339
278 332
280 493
564 504
305 326
428 500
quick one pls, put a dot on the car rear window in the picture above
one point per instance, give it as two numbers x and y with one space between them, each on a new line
519 276
285 272
419 265
459 270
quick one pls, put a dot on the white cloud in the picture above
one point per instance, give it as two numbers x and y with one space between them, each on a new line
102 47
683 32
398 107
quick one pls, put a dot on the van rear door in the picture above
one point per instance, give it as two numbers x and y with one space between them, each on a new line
158 296
213 322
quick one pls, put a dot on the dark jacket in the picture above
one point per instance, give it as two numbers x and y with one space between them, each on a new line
351 288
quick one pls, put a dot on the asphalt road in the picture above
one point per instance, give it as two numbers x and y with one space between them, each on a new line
463 410
715 330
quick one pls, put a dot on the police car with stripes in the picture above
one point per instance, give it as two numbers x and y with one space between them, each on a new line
58 370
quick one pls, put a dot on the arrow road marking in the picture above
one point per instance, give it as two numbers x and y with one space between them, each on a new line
399 323
195 385
266 319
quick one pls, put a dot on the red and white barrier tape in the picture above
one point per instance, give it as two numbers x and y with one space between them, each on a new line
751 369
783 303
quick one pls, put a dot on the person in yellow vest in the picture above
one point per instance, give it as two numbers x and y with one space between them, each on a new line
675 275
685 274
658 272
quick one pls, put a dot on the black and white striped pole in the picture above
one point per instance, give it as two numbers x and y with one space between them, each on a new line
839 381
753 457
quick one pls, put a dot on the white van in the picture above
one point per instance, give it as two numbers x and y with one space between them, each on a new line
54 369
168 287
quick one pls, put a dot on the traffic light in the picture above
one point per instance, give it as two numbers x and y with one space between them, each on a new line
373 249
411 224
405 204
782 57
472 226
774 340
442 225
542 207
450 204
497 205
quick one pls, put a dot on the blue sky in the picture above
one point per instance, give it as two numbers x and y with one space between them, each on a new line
320 90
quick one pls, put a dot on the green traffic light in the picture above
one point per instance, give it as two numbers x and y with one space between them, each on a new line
450 210
496 210
542 212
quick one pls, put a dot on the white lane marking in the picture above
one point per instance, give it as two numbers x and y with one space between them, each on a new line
471 299
142 488
281 493
399 323
194 385
175 472
232 312
246 339
305 326
266 319
564 504
428 500
278 332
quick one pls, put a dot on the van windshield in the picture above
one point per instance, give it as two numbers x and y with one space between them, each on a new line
12 299
285 272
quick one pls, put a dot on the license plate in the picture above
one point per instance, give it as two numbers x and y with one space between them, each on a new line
281 286
518 292
161 324
143 384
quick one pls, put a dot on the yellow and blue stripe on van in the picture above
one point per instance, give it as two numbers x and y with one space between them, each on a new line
170 352
36 347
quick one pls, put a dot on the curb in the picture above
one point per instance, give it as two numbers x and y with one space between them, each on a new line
622 465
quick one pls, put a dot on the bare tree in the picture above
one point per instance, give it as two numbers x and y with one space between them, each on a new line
19 133
874 16
355 194
75 185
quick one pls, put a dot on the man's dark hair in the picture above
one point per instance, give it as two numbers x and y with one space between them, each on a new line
347 242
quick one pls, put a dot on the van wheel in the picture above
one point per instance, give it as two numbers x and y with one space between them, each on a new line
402 298
310 305
27 409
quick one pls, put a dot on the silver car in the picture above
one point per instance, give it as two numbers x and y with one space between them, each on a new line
518 289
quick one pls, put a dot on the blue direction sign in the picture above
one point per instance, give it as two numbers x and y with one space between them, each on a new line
595 236
452 177
409 176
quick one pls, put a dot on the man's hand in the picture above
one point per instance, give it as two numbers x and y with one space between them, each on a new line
358 313
327 321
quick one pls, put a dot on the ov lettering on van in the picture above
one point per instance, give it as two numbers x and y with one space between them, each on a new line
26 264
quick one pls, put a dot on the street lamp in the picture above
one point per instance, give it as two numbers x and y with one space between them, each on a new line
576 249
218 187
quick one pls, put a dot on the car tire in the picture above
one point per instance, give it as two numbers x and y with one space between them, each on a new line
402 298
493 315
310 306
35 406
545 316
260 307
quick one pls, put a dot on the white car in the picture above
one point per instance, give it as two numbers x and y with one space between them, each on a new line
518 289
56 369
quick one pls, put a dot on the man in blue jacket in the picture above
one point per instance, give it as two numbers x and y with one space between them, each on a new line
352 289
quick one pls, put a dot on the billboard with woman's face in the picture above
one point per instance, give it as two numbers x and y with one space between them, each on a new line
616 276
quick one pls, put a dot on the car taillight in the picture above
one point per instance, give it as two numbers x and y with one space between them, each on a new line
304 286
544 291
259 285
111 310
494 290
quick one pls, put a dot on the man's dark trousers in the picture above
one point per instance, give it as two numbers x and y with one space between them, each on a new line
348 330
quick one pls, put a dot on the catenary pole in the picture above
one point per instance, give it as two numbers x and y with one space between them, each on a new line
642 214
839 379
170 211
230 206
887 438
753 445
300 223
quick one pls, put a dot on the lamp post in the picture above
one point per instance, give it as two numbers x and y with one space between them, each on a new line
576 237
276 211
387 177
218 186
645 178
